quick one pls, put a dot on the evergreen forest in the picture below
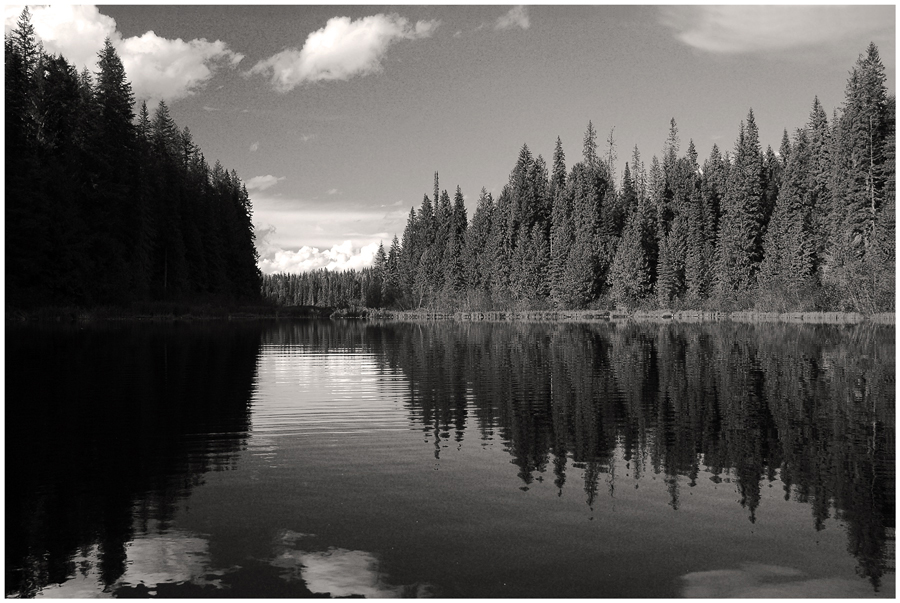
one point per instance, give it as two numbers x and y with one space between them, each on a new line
105 207
810 227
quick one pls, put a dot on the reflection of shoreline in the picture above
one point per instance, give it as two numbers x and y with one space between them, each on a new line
675 409
651 316
146 410
810 405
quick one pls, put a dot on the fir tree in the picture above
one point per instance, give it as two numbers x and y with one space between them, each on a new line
739 248
558 178
630 275
857 178
789 246
476 252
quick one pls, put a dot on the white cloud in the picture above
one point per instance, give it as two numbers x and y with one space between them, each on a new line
341 50
254 147
747 29
332 191
261 183
516 17
158 68
207 108
340 257
308 228
75 31
307 137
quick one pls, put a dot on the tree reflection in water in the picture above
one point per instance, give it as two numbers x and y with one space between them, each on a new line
811 405
110 428
104 428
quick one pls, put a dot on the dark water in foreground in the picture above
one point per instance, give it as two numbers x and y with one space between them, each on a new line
450 459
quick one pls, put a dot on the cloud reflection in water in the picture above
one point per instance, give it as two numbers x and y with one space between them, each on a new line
339 572
175 557
754 580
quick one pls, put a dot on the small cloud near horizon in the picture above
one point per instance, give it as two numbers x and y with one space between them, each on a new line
254 147
516 17
343 256
340 50
261 183
333 191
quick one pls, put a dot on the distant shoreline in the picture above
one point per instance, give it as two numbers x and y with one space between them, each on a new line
188 312
642 316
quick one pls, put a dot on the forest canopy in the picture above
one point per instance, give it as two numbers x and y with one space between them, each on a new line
107 207
809 227
109 204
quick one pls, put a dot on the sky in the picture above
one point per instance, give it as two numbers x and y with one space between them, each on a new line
337 117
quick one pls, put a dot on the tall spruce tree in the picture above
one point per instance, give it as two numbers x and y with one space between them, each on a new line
629 276
857 156
789 245
454 268
739 248
560 225
476 258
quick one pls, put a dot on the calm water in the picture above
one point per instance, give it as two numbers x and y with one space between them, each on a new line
450 460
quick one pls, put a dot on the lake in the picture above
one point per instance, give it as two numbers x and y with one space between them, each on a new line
450 459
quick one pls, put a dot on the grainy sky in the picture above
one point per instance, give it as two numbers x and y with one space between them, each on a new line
337 117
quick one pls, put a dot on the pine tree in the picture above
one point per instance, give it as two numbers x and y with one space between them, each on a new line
558 178
392 281
454 269
380 272
712 190
697 251
500 247
857 180
540 184
578 286
589 148
656 191
630 277
784 151
166 137
772 174
410 251
789 246
28 48
429 257
116 101
819 173
560 236
476 257
143 123
438 261
739 248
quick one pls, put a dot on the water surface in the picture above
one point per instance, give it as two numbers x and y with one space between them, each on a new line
450 459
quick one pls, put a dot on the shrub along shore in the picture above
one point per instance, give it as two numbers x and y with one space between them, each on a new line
185 311
653 315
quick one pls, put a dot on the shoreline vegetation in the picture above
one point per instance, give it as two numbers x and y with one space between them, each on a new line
169 312
112 214
807 228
